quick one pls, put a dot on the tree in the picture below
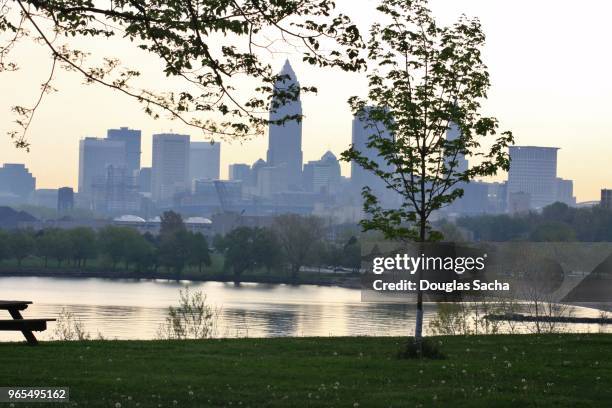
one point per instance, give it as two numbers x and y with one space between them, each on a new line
266 249
54 243
426 79
112 243
200 253
171 222
84 245
207 46
21 245
297 235
175 250
239 252
4 245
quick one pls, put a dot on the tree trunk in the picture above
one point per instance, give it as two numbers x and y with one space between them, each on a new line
418 328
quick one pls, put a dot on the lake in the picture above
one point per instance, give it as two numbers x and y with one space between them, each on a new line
132 309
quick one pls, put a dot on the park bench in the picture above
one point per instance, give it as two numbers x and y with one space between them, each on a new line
18 323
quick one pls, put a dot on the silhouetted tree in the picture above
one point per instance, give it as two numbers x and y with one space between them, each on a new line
22 245
84 245
200 253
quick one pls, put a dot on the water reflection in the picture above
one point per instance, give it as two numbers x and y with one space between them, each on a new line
128 309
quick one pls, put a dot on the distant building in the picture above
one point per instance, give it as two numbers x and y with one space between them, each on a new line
565 192
285 141
65 199
144 180
362 131
606 199
322 176
131 138
271 180
454 133
519 202
241 172
116 192
533 171
204 161
95 155
170 171
16 180
44 197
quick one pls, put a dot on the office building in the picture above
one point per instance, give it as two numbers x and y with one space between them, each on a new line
606 199
170 170
204 160
285 140
240 172
322 176
144 180
565 192
272 180
116 192
131 138
65 199
16 180
44 197
95 155
533 171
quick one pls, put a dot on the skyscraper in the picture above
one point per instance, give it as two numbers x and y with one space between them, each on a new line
285 141
240 171
204 160
170 170
16 179
131 138
454 133
533 171
361 133
94 156
65 199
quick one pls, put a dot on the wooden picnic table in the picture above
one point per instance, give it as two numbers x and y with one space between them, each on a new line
18 323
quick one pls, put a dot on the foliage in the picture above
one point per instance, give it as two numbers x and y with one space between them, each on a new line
426 80
21 245
207 47
69 327
427 348
556 223
193 318
297 236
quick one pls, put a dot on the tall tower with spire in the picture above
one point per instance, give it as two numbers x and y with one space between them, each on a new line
285 141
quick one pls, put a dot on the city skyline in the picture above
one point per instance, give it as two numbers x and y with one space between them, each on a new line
542 90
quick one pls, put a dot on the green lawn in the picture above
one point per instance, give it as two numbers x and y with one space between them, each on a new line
492 371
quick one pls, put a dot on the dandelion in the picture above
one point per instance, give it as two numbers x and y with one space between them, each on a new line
117 405
190 393
356 404
175 402
523 380
509 364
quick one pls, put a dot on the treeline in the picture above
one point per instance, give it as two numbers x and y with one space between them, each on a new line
555 223
292 242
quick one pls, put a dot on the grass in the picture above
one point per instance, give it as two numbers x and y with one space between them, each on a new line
479 371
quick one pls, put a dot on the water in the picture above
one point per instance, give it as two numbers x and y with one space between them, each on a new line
130 309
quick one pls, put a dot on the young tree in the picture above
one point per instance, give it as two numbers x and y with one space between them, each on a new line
171 222
207 47
297 235
239 252
426 79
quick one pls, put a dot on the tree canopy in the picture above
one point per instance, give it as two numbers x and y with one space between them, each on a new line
210 46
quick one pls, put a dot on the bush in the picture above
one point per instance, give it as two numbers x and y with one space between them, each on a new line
428 349
193 318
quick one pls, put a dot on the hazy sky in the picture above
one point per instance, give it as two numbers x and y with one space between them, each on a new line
549 63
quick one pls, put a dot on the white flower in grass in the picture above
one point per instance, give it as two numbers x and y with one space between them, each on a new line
117 405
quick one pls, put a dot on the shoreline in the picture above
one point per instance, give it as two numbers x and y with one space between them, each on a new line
348 282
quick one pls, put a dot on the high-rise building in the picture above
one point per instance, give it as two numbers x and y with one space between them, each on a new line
565 192
204 160
454 133
44 197
606 199
95 155
144 180
116 192
322 176
533 171
170 171
240 172
65 199
17 180
271 180
362 131
285 140
131 138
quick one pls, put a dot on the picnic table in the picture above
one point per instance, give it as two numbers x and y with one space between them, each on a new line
18 323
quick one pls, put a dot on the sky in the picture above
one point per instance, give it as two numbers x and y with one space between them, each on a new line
549 65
